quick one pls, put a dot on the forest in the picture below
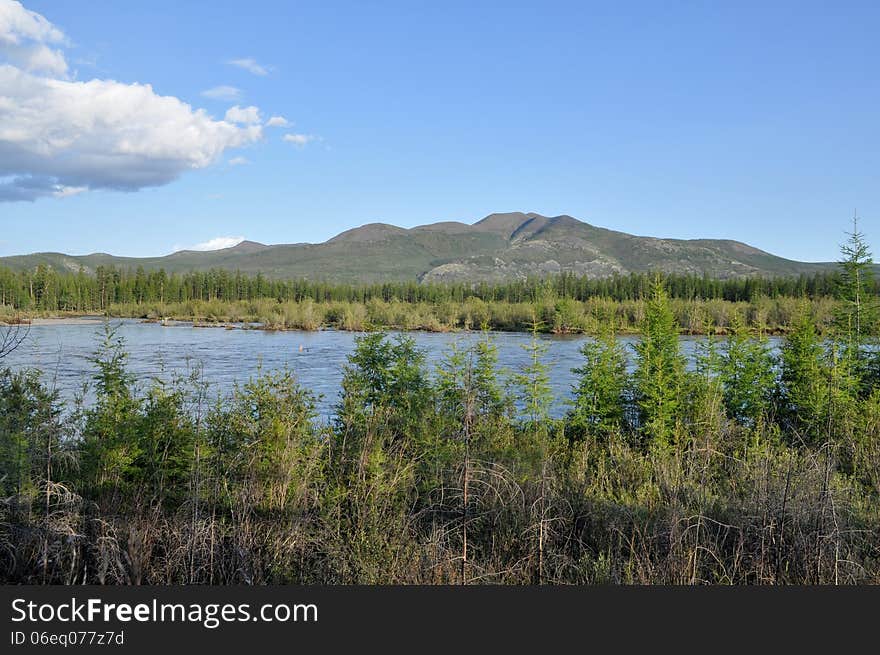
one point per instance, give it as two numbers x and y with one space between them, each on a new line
561 304
47 289
753 467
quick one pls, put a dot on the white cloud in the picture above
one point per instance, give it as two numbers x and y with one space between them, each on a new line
24 36
250 65
103 134
217 243
238 161
229 93
17 23
247 115
277 121
60 137
65 191
298 139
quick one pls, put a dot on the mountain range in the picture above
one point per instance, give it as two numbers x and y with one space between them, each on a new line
500 247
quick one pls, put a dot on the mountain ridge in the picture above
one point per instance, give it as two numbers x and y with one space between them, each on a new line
499 247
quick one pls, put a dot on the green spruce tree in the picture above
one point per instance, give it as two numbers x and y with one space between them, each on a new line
660 368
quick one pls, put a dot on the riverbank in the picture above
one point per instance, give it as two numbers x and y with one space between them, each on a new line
553 316
221 324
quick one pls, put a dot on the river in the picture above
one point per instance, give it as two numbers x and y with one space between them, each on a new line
62 350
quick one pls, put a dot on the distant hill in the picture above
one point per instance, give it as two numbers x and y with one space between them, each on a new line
499 247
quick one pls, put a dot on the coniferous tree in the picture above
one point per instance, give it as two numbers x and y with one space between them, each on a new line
748 373
598 405
804 378
166 436
29 431
533 381
491 402
660 369
110 439
856 318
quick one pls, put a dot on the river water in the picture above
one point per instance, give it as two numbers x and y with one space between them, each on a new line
62 350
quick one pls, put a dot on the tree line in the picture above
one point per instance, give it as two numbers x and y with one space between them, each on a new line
47 289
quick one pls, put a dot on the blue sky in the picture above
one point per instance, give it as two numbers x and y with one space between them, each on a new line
750 121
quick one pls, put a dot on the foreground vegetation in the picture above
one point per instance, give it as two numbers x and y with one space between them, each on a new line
561 304
752 468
